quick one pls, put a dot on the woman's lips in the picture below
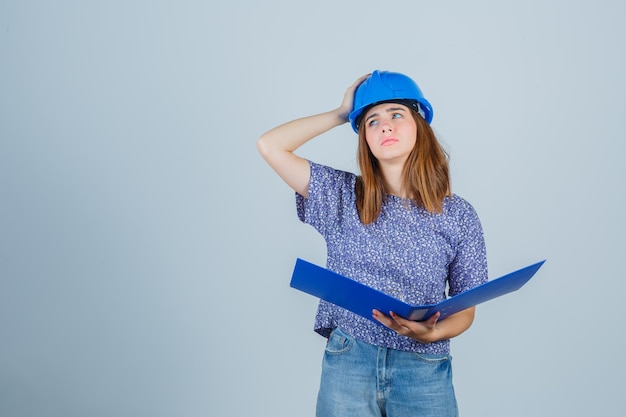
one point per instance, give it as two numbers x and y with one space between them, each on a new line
388 141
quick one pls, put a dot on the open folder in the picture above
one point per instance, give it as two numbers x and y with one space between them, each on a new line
361 299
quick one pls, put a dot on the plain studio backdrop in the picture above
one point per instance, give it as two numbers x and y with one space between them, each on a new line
146 249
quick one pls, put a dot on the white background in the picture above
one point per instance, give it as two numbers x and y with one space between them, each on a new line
146 249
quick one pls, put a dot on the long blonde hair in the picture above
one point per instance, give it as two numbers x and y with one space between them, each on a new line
426 176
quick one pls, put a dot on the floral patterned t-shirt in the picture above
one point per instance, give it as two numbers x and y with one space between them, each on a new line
408 253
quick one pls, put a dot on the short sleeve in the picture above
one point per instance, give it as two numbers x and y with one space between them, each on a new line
330 190
468 268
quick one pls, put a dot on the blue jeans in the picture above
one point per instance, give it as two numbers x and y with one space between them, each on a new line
361 380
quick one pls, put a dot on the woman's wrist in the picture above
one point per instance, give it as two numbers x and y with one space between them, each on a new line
430 337
341 114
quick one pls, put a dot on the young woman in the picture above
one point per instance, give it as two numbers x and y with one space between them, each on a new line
395 227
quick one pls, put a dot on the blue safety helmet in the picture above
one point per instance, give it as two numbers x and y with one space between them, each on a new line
388 87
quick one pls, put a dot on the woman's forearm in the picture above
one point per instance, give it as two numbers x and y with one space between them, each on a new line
277 146
291 135
453 325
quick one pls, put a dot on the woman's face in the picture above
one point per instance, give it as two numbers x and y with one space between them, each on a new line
390 132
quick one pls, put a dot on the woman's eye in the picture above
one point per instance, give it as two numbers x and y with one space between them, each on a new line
396 115
372 122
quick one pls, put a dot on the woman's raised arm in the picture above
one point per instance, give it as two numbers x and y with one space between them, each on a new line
277 146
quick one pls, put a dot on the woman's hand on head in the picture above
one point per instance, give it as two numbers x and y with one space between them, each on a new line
348 98
422 331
